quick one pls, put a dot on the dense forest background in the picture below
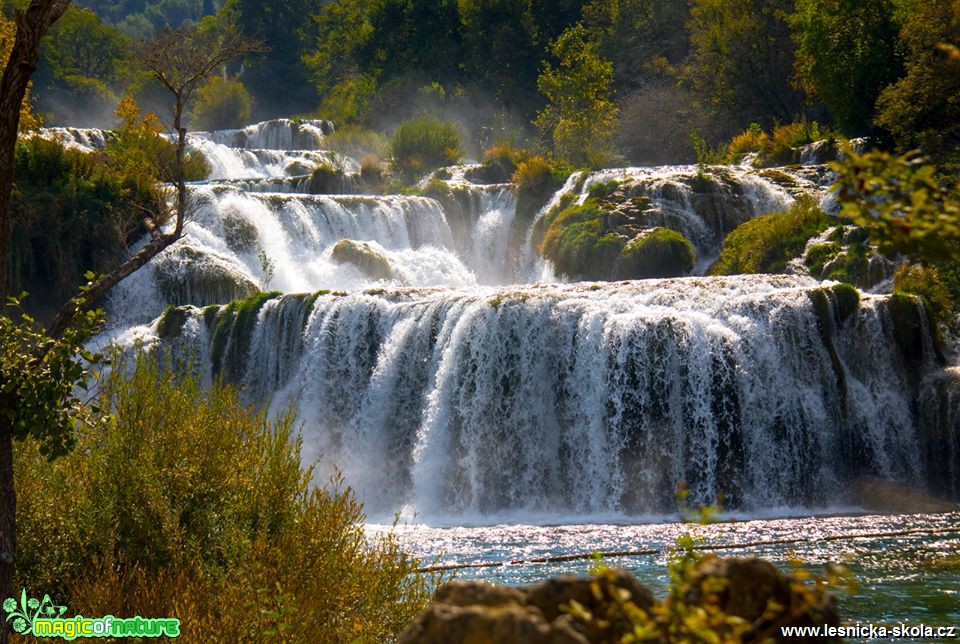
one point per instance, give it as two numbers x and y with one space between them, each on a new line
633 77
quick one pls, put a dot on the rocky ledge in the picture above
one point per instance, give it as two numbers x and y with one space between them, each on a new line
744 600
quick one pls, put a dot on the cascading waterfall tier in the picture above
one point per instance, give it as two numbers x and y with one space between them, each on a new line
582 399
437 388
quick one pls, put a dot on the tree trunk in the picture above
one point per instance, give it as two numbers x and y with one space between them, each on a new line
32 25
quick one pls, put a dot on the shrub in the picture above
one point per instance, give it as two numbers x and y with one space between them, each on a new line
189 504
926 282
326 180
766 244
660 252
536 179
221 104
780 146
753 139
424 143
141 152
358 142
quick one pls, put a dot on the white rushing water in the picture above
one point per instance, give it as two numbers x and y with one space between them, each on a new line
581 399
439 366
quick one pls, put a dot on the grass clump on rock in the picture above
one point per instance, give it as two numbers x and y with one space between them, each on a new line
766 244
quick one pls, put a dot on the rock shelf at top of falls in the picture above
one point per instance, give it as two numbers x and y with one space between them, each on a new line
459 378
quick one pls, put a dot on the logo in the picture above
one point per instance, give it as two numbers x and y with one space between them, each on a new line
44 619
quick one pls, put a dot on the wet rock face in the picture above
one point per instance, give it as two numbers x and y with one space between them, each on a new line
568 609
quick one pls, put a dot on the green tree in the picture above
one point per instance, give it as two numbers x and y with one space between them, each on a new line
83 62
333 60
276 75
846 55
743 58
221 104
922 109
639 36
580 116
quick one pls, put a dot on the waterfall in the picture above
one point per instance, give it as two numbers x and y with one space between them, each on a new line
585 398
278 134
433 359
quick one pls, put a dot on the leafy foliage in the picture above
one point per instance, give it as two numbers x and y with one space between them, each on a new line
579 116
73 212
846 55
922 109
186 502
901 201
766 244
43 379
221 104
742 58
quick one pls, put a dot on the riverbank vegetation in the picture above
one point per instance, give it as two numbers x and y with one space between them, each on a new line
185 502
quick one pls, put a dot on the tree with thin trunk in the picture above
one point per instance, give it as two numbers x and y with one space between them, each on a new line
41 368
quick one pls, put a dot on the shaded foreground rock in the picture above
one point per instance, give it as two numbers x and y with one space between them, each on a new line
746 599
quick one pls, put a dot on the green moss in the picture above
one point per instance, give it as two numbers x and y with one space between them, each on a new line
580 245
660 252
847 301
819 254
540 227
365 257
604 189
766 244
171 322
210 315
233 330
778 177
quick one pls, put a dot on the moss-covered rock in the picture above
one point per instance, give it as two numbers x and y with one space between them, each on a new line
171 322
581 245
370 261
241 235
326 180
600 240
232 330
660 252
187 276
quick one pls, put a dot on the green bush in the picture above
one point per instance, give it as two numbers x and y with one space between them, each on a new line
425 143
221 105
659 253
190 504
326 180
766 244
